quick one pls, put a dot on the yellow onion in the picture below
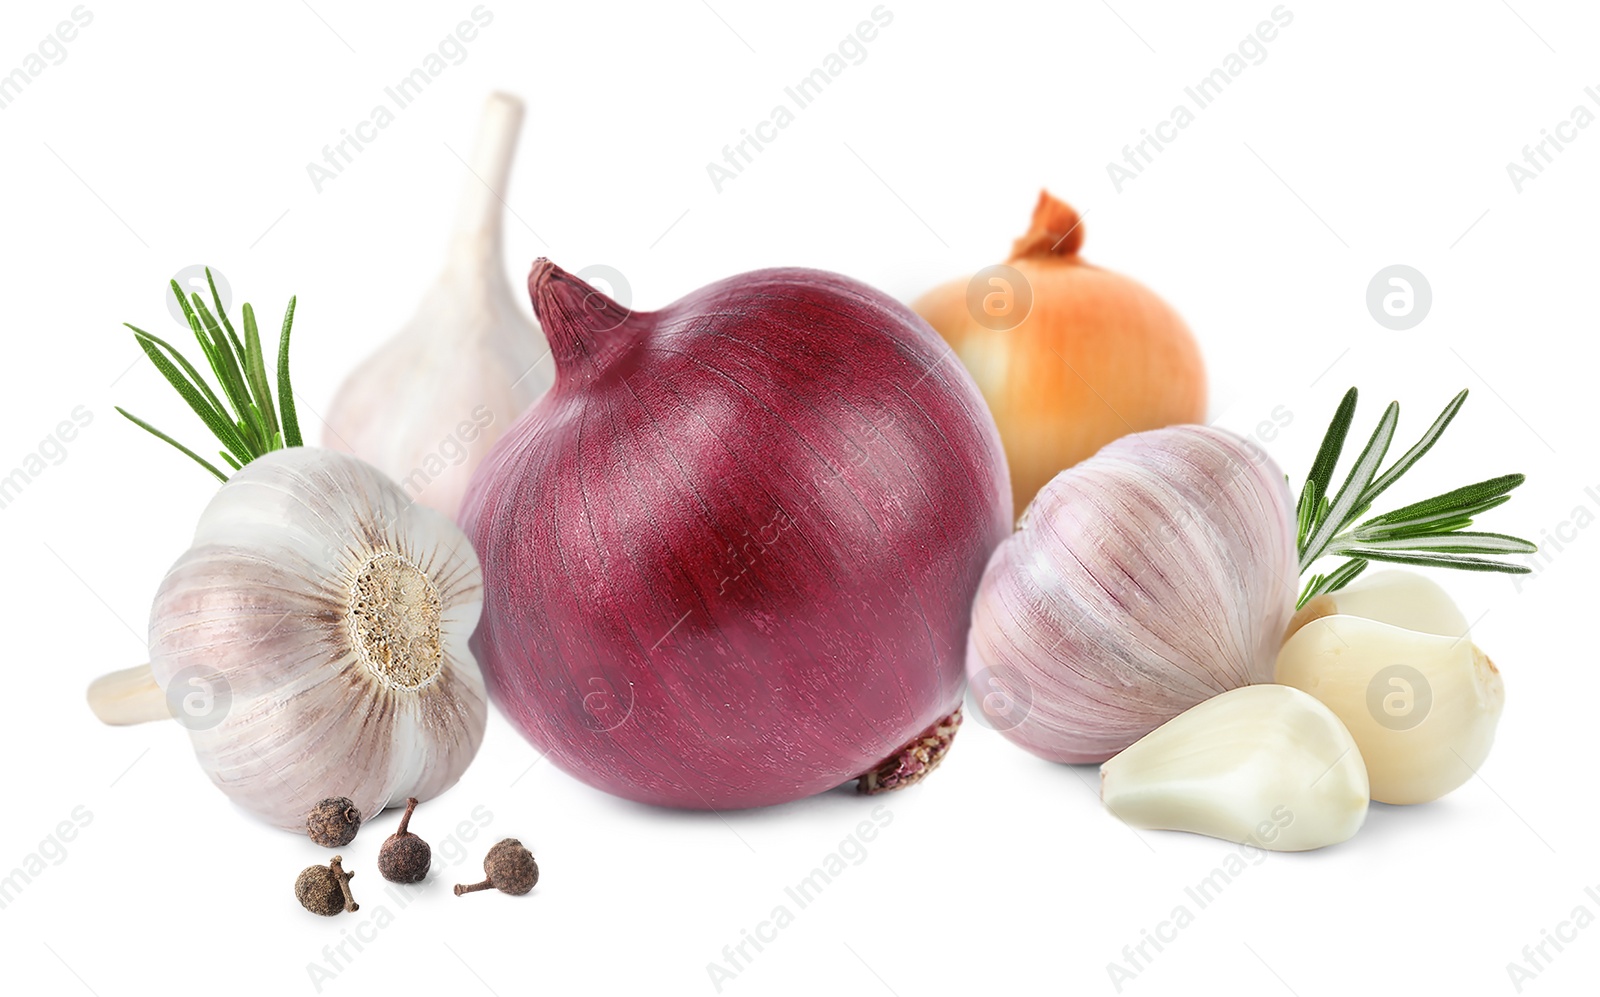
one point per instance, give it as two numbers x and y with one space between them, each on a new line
1069 356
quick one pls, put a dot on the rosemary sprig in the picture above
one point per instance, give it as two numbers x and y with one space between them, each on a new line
250 424
1431 533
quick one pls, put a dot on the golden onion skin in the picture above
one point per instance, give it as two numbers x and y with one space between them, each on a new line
1068 356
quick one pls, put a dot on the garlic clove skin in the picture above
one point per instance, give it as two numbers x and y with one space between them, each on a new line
1422 706
1400 598
428 406
1264 765
313 639
1140 582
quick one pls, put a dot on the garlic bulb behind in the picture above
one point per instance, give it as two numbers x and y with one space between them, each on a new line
1264 765
427 407
314 641
1422 704
1154 575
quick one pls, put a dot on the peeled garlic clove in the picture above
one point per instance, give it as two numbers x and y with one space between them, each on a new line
1151 577
1264 765
1422 706
313 640
1401 598
428 406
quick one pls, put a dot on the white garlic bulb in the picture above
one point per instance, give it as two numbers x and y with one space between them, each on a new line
1145 580
428 406
1264 765
1390 655
313 640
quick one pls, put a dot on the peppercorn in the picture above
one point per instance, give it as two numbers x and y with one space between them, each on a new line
404 857
325 889
333 822
510 868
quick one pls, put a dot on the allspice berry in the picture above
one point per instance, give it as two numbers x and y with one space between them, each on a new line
404 857
510 868
325 889
333 822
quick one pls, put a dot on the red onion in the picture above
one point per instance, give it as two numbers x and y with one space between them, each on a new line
729 559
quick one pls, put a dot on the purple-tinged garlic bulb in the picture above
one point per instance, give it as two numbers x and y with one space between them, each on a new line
313 640
1154 575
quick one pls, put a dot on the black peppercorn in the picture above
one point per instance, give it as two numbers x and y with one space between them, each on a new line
404 857
333 822
325 889
510 868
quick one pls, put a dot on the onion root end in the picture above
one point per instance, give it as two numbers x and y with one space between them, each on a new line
912 763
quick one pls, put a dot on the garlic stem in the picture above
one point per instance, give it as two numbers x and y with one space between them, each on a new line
130 696
478 222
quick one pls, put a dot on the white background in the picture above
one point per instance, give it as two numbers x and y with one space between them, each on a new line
1372 134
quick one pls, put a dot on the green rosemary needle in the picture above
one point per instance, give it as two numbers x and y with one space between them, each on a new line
250 424
1430 533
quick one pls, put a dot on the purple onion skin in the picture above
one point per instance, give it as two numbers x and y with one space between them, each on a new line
730 557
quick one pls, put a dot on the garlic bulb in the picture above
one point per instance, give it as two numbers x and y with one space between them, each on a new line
427 407
1264 765
313 640
1151 577
1390 655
